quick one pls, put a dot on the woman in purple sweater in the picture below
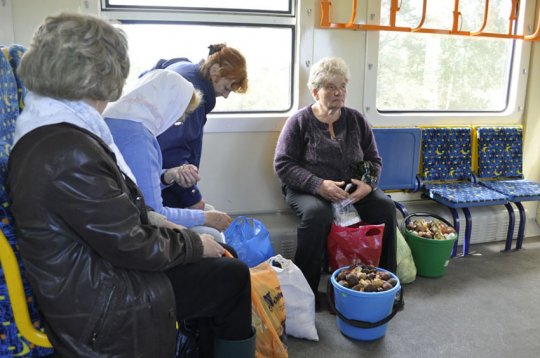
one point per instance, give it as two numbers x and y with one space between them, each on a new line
315 157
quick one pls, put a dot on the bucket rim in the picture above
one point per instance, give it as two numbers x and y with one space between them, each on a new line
336 285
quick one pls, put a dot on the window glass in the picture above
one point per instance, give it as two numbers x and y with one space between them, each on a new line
268 53
434 72
264 5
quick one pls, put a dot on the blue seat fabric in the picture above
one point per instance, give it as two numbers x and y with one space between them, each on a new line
500 168
446 170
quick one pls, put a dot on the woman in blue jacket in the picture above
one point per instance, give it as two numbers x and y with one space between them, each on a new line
223 72
158 101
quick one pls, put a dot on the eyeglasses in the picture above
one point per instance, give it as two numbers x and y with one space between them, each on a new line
333 88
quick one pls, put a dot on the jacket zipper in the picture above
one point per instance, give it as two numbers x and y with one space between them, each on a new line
101 320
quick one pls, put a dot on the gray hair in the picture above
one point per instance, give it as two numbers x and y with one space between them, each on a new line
322 72
75 57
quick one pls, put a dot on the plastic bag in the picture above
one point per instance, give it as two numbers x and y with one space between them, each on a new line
269 312
354 244
344 213
299 299
406 269
251 240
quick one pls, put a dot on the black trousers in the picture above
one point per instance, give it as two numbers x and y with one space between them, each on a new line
316 218
214 294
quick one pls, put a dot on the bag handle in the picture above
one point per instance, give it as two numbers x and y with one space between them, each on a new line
408 218
398 306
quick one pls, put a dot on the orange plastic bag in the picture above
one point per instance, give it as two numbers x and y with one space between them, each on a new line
354 244
269 313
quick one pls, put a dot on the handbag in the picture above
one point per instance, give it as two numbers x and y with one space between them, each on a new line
251 240
354 244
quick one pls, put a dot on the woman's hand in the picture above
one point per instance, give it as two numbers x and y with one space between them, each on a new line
217 219
185 175
332 190
362 190
210 246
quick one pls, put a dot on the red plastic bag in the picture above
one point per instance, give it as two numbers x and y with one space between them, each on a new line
354 244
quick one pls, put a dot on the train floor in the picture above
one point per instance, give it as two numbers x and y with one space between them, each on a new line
486 305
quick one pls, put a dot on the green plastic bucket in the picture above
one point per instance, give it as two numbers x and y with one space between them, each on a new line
431 256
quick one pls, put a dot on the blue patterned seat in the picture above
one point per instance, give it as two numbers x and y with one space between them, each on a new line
15 53
399 149
500 167
12 343
446 173
9 108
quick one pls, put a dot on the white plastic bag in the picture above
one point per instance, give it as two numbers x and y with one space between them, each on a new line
299 299
345 214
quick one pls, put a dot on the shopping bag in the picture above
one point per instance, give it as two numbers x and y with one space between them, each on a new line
269 312
251 240
299 299
406 268
354 244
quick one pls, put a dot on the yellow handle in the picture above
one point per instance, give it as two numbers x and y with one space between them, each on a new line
17 296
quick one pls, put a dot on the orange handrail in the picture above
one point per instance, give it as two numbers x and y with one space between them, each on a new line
536 34
325 17
454 30
484 23
423 18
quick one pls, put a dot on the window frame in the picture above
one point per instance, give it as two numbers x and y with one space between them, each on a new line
106 6
515 105
244 121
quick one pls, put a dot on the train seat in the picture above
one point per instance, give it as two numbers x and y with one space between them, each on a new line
21 329
399 149
446 172
499 167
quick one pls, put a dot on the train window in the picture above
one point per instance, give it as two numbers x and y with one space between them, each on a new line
441 73
238 5
266 41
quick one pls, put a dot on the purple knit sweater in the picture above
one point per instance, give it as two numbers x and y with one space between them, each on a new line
306 155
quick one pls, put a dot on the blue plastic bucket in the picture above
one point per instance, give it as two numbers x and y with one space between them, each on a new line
363 306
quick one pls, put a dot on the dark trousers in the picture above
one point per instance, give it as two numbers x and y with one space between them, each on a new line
316 218
215 293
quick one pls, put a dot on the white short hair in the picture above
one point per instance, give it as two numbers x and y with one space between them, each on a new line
322 71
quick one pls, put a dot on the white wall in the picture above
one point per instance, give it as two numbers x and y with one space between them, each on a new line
6 23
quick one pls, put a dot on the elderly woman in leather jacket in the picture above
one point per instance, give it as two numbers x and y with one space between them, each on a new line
107 281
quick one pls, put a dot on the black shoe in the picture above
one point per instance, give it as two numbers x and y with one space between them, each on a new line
317 303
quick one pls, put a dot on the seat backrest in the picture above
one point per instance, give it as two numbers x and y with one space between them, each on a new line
498 152
446 153
20 333
399 149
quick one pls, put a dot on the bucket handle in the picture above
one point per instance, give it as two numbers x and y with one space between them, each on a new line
398 306
405 221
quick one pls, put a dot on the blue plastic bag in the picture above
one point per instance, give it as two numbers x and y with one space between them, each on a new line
251 240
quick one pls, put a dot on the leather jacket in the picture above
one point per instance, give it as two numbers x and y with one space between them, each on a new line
94 263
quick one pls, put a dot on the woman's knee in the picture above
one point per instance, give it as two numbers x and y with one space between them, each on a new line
236 271
318 213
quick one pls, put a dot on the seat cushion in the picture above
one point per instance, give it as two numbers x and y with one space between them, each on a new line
516 190
464 194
